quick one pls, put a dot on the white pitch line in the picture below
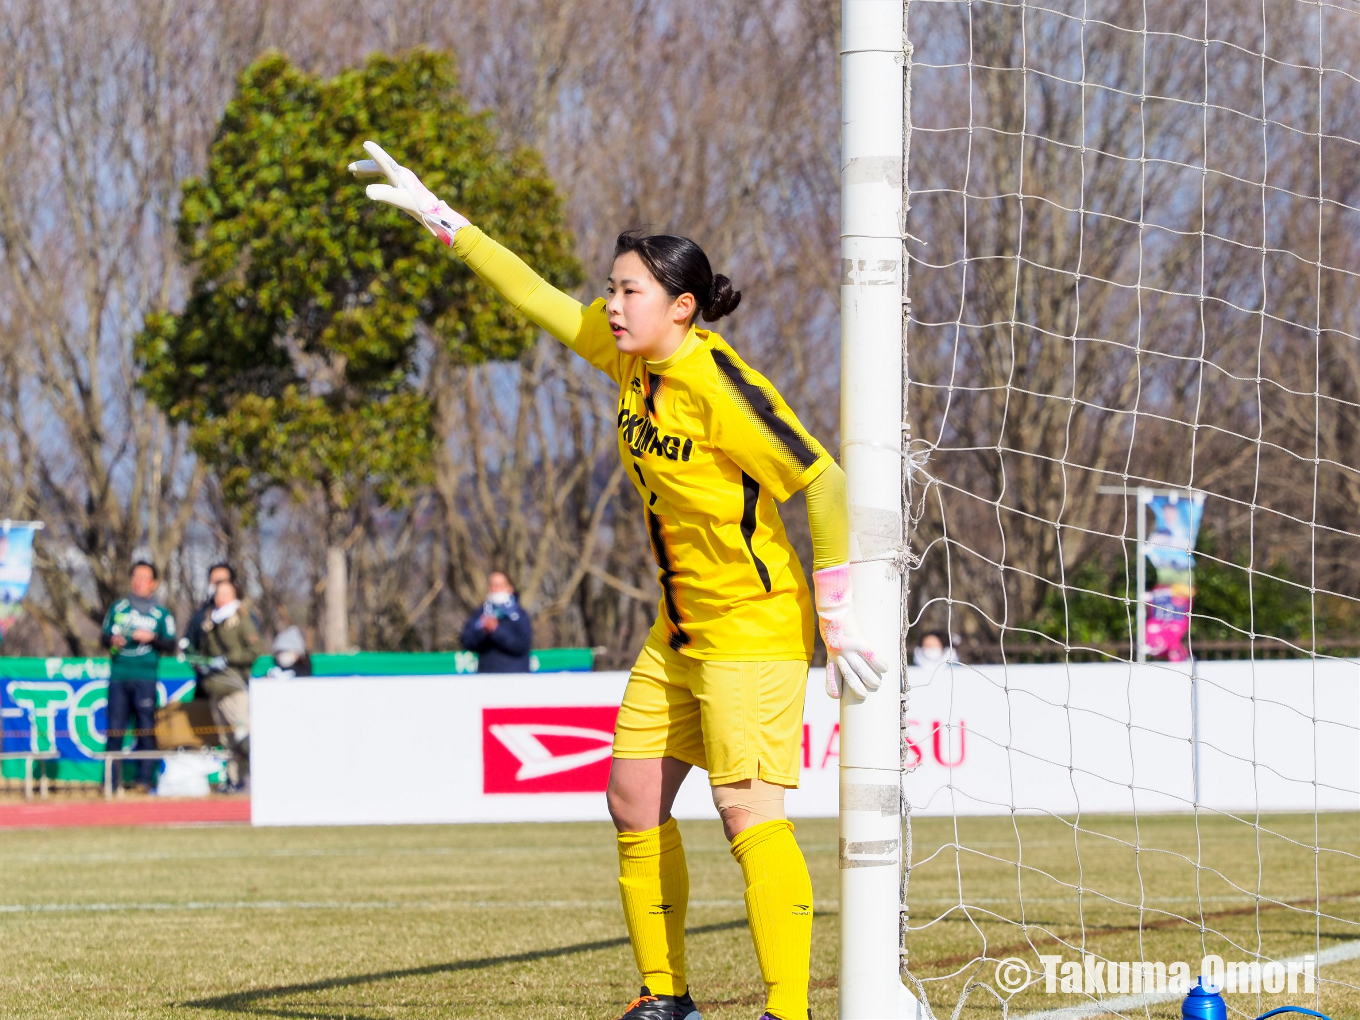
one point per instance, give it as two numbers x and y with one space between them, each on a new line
168 855
499 853
1126 1003
100 908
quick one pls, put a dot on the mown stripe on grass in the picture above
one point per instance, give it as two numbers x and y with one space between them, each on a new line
99 908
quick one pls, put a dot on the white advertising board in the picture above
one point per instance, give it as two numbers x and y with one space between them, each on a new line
1273 735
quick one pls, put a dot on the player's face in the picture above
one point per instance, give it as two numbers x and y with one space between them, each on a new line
644 319
143 584
224 593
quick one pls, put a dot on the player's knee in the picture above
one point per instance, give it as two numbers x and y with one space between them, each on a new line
618 803
747 803
630 809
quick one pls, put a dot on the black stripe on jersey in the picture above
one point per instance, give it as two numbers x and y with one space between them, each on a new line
649 392
652 501
663 560
758 403
751 496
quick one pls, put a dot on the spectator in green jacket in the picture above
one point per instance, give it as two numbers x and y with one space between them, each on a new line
137 631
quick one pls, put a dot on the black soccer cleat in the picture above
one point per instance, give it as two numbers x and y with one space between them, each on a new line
661 1007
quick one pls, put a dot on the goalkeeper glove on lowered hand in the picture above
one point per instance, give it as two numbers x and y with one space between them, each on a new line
849 659
405 191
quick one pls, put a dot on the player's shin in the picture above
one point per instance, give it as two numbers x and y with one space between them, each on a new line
779 906
654 883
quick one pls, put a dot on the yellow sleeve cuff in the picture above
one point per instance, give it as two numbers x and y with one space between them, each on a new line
828 508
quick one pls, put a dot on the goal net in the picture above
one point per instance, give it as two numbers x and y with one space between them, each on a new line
1133 246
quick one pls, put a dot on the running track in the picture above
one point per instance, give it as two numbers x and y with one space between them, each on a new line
63 814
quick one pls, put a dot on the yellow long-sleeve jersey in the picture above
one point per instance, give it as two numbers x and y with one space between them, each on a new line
710 446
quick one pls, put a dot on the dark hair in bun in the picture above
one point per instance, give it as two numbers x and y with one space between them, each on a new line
681 267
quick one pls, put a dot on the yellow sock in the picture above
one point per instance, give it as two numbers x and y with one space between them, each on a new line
779 906
654 882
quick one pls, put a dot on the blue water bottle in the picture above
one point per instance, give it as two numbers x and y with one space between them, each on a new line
1203 1004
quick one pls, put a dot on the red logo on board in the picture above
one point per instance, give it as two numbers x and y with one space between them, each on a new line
546 749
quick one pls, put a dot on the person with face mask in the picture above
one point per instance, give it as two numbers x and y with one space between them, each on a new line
500 632
290 655
933 649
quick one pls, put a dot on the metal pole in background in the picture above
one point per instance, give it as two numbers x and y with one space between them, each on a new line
1144 496
872 136
1194 726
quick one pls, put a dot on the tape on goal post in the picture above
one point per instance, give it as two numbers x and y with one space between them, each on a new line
1133 481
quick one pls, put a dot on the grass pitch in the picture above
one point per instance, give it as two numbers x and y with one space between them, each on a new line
523 920
1127 890
361 923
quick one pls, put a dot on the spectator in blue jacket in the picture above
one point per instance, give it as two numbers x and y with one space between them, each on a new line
500 632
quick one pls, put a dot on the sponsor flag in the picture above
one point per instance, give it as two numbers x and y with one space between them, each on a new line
16 569
1170 548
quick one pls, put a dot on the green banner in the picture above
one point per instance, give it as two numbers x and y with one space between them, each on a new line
58 704
544 660
77 670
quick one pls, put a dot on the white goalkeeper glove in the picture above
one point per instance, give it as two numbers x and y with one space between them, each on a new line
405 191
848 656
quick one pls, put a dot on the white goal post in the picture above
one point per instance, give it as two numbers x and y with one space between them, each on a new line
872 151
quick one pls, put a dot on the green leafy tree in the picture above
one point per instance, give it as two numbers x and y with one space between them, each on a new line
296 359
1095 613
1231 603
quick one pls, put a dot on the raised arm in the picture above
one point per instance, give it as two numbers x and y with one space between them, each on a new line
541 303
583 328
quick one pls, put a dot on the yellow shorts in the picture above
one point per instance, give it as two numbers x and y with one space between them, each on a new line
738 720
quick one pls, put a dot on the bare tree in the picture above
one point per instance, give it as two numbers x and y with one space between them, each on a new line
120 101
93 149
1125 271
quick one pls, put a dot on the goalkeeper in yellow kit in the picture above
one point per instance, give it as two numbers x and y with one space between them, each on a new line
710 447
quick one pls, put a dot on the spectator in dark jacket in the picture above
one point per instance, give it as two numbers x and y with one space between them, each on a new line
193 634
500 632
